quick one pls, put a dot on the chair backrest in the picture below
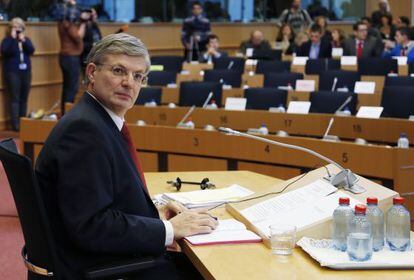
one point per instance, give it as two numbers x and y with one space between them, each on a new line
281 79
344 79
264 66
398 102
39 242
411 68
329 102
317 66
232 78
148 94
264 98
196 93
267 54
170 63
375 66
161 78
230 63
400 81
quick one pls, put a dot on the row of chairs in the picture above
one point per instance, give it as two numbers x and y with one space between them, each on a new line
326 79
398 101
366 66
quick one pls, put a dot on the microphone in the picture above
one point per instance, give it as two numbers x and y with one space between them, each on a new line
331 121
230 65
344 179
346 102
335 81
210 95
326 135
181 123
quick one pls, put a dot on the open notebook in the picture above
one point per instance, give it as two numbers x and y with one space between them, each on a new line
229 231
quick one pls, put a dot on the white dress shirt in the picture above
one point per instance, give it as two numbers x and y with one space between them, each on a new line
119 122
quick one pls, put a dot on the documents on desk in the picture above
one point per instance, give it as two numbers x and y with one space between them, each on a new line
229 231
302 208
208 198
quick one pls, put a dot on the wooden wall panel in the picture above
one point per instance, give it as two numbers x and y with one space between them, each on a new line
191 163
149 161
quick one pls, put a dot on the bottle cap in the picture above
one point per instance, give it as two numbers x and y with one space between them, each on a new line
213 101
372 200
344 200
263 125
403 134
398 200
360 209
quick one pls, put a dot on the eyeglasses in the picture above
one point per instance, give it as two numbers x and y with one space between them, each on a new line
120 71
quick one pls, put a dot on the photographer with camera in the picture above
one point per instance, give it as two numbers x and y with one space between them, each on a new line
16 50
92 35
71 30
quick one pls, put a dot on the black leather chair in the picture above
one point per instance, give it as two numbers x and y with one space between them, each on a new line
264 98
344 79
398 102
317 66
267 54
39 252
196 93
170 63
264 66
281 79
232 78
328 102
229 63
377 66
148 94
161 78
400 81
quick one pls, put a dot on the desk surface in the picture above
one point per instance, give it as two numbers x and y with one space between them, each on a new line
254 261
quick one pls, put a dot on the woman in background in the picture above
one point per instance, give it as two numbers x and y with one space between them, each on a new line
286 39
323 23
338 37
16 50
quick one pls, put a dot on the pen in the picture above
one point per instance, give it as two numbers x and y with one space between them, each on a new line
215 218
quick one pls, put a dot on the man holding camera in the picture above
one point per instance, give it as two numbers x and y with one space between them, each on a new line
71 28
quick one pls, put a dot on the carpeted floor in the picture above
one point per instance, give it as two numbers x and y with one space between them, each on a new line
11 237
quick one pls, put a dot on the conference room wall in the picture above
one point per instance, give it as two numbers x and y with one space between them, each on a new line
398 7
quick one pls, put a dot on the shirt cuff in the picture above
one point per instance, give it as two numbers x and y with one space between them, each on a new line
169 233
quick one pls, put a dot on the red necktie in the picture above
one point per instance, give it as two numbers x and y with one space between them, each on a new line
403 51
359 49
127 137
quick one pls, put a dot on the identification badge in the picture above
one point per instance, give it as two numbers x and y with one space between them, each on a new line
23 66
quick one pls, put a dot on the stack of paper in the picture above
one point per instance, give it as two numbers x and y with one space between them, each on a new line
208 198
228 231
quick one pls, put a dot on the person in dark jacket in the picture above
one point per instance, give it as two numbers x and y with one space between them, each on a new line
316 47
92 35
16 50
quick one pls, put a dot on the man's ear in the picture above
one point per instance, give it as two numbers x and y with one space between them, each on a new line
90 72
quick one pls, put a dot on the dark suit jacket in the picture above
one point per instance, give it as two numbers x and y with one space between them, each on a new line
93 194
325 49
370 49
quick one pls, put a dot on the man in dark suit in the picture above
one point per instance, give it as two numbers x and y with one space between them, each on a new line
256 42
361 45
213 49
315 47
91 180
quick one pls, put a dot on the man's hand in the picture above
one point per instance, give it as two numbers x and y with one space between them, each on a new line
192 222
171 209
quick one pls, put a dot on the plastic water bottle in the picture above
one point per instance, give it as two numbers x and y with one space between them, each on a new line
190 123
398 226
152 103
212 105
359 241
263 130
289 86
342 216
346 111
376 217
281 108
403 141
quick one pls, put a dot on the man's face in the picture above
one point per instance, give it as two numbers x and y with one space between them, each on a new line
400 39
362 32
315 37
197 10
115 82
213 43
382 6
257 38
296 4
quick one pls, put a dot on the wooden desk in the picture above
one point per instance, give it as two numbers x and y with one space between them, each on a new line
254 261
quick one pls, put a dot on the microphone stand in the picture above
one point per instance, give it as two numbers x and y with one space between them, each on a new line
344 179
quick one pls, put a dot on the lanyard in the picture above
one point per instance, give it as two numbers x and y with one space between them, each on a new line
21 54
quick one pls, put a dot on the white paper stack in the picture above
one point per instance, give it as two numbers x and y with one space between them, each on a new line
208 198
322 251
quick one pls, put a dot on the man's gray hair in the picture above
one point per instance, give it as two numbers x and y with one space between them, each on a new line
121 43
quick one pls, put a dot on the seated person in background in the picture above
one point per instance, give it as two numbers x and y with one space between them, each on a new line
256 42
213 51
361 45
387 29
297 17
323 23
404 46
91 180
300 39
285 38
316 47
338 38
383 9
402 21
